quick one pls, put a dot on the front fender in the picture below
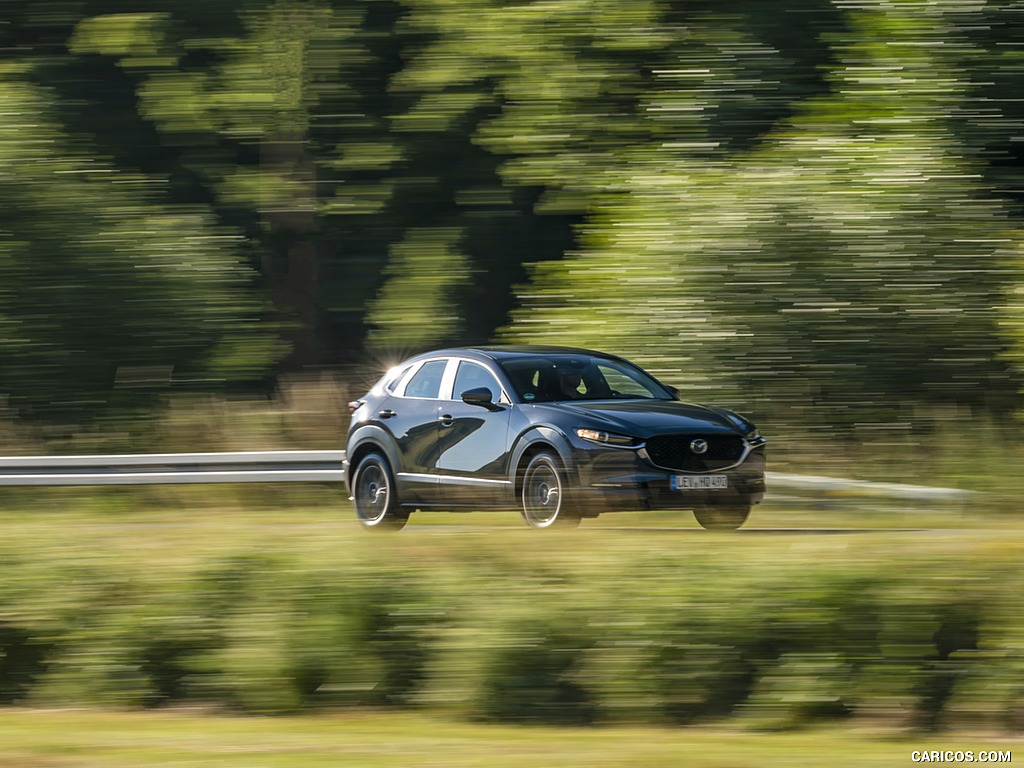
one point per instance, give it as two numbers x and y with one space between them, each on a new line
549 436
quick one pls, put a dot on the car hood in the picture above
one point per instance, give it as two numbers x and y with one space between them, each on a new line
644 418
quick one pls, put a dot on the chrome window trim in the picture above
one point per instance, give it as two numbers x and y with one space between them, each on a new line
597 359
400 390
448 393
399 379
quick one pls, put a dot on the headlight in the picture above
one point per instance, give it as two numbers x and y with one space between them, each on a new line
606 438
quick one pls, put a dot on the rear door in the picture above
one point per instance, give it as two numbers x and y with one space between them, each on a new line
411 415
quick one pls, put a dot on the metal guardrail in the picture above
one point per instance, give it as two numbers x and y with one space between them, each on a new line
326 467
159 468
842 487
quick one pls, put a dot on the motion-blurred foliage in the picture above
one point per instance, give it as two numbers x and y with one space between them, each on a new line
107 287
812 205
852 260
772 642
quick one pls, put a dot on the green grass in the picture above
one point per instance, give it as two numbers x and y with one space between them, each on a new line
91 739
174 527
246 605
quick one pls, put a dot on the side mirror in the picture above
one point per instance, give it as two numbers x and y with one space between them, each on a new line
672 390
478 396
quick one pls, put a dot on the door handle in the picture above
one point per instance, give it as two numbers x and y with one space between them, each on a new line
446 420
387 414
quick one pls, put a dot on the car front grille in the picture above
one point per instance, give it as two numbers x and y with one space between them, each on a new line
674 452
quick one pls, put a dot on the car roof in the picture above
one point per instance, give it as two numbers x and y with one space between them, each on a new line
502 352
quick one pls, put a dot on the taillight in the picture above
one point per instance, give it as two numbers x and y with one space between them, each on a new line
355 405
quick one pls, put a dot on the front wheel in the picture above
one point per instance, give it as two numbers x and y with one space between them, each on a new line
721 517
545 502
374 492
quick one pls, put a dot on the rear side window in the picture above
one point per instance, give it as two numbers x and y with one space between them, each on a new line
427 381
394 378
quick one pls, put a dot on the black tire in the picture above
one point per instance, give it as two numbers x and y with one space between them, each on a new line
546 501
722 517
373 490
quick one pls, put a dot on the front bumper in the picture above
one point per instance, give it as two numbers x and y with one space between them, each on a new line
619 479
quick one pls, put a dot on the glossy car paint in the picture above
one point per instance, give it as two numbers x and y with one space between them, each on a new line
448 454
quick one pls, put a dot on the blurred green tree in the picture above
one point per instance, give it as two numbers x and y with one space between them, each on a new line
108 293
852 260
233 115
556 97
809 204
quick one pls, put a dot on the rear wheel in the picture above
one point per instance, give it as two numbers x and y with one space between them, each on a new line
722 517
373 489
545 502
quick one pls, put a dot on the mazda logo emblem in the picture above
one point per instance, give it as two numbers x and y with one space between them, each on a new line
699 446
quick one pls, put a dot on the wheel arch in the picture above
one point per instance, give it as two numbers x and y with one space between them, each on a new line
367 440
532 442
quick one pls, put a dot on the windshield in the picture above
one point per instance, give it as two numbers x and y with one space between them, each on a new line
556 378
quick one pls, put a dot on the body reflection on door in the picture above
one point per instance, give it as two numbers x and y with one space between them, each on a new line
471 458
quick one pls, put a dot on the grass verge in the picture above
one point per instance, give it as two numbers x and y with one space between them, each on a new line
91 739
293 611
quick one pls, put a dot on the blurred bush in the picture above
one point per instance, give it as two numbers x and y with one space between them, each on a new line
773 647
531 670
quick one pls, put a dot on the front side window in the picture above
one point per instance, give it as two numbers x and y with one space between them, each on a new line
556 378
473 376
427 380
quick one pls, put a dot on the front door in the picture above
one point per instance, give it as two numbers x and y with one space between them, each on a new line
472 457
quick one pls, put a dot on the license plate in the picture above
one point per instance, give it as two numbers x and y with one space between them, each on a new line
699 482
